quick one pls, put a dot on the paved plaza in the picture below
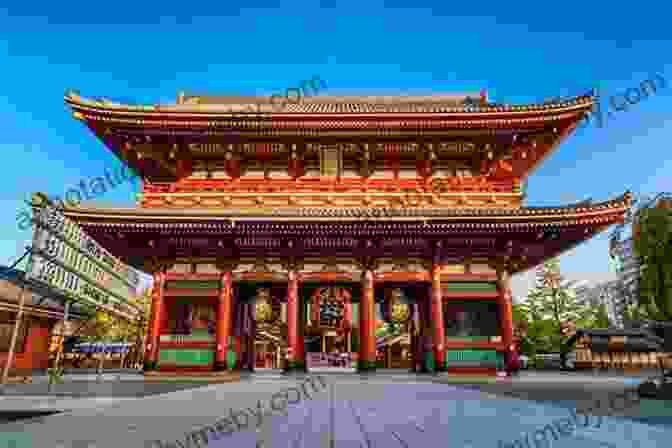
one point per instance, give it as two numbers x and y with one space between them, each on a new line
381 410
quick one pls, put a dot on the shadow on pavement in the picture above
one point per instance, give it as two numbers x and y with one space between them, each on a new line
86 389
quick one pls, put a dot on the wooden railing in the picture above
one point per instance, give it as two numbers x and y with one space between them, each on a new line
323 184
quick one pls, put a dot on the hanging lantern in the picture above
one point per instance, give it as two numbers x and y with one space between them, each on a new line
400 312
328 307
263 309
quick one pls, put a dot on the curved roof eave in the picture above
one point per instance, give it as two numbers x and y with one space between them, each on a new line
504 215
324 108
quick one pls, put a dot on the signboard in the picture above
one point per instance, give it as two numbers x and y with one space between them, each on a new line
67 259
325 360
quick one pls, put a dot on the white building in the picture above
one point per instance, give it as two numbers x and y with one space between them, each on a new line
627 270
607 293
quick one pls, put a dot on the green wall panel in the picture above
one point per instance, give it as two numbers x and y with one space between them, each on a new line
474 358
199 335
471 287
469 338
186 357
193 284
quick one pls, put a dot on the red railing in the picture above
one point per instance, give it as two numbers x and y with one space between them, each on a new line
320 184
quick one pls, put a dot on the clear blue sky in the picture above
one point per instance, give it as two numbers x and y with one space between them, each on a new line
519 51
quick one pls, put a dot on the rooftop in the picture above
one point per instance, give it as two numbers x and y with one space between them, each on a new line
438 103
482 215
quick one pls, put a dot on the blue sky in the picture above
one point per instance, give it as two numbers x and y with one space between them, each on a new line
519 51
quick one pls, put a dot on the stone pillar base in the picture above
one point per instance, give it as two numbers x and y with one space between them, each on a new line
294 366
366 366
149 366
220 366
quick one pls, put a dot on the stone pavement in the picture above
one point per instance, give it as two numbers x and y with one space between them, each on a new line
352 412
54 403
83 388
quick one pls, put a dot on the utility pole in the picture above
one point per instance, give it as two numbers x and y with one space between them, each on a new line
59 353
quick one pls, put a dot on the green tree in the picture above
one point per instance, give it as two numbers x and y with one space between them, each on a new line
653 246
550 304
111 328
600 318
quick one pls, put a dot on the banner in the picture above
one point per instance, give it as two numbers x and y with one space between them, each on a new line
67 259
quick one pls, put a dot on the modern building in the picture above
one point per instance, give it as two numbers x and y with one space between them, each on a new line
610 295
628 272
301 222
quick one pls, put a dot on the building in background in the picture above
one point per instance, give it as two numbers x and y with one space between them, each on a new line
43 311
607 293
628 272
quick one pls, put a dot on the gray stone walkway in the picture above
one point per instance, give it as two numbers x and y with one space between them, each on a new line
373 412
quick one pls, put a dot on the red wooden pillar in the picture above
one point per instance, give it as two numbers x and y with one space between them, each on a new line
300 355
184 168
294 341
152 349
437 319
224 322
504 290
367 321
348 327
239 352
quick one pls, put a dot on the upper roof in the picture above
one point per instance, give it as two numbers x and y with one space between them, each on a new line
151 138
348 105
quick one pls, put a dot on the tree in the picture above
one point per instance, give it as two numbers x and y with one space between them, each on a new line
601 317
653 245
551 304
110 328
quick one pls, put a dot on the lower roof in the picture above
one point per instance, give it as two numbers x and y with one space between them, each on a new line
484 216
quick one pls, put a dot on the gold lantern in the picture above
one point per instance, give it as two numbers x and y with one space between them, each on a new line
400 312
263 310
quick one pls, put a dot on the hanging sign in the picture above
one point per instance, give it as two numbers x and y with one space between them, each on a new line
65 258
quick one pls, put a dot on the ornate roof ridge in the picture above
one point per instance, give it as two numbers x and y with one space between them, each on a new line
335 104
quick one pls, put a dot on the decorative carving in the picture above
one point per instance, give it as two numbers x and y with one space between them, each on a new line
402 266
331 265
260 265
292 264
296 167
263 309
400 312
226 264
154 265
366 162
427 264
367 263
328 307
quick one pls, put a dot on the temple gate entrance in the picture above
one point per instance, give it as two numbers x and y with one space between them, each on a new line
329 328
261 325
